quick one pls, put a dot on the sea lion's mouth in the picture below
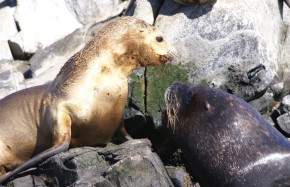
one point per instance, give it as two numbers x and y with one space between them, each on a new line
166 58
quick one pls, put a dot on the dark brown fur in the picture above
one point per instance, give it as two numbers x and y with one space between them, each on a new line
225 141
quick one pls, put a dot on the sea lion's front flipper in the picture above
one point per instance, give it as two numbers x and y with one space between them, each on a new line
36 160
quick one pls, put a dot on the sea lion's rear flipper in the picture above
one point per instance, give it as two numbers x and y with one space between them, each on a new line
38 159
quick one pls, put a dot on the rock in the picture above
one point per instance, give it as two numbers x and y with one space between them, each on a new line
29 181
285 104
11 76
179 177
46 63
71 166
264 104
130 169
277 88
7 25
146 10
194 2
7 28
5 53
39 27
234 46
26 181
284 123
94 10
211 39
129 164
251 84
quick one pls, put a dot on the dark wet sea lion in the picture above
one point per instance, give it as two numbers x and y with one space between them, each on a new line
84 105
225 141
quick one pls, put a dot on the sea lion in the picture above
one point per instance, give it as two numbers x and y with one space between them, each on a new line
84 104
224 140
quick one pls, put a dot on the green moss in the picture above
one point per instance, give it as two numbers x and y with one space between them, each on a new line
137 90
158 80
148 94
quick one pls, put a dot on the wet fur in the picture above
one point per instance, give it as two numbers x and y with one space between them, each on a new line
225 141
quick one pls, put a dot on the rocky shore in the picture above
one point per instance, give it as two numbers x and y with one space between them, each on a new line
241 47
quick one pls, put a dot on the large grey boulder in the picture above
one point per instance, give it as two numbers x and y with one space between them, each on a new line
41 23
87 11
235 46
225 40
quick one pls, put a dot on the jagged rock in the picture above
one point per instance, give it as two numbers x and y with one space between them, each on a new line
95 10
284 122
129 164
39 27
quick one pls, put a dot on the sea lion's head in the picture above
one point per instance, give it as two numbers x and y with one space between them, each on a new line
185 104
135 43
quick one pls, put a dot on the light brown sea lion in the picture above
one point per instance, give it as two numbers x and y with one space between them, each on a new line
225 141
84 105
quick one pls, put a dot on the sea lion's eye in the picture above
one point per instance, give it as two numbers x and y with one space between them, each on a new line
159 39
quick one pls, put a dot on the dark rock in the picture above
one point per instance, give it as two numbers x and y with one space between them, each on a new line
179 177
129 164
264 104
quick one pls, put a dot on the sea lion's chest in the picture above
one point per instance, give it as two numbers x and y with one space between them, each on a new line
93 101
